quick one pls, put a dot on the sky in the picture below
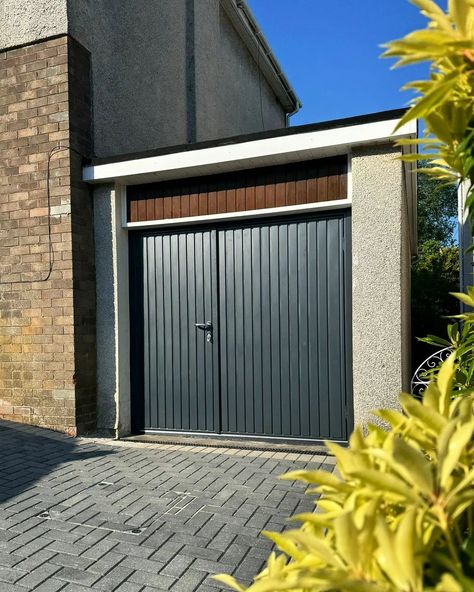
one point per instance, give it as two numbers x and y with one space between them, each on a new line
329 50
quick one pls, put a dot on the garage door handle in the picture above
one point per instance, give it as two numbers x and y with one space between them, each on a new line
204 326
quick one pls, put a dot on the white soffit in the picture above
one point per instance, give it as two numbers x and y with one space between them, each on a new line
250 154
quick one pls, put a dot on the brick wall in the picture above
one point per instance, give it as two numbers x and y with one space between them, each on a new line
82 235
45 325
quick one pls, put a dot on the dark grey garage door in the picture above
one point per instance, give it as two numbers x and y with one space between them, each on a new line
243 329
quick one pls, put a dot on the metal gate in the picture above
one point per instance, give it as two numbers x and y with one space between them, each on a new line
243 330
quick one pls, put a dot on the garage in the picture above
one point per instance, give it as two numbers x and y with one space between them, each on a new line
256 287
242 327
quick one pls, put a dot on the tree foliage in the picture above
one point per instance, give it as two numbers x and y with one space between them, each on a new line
437 210
446 100
435 271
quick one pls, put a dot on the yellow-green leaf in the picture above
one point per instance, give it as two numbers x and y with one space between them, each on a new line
316 478
284 544
386 482
346 539
229 581
445 382
457 443
448 584
465 298
413 465
405 545
387 554
428 417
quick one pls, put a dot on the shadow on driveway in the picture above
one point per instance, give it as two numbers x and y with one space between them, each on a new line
29 454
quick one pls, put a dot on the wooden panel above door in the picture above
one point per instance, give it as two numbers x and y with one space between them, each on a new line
285 185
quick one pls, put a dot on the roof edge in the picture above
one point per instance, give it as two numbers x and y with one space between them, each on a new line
247 154
286 131
247 27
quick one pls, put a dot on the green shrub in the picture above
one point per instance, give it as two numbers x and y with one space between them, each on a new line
461 340
397 516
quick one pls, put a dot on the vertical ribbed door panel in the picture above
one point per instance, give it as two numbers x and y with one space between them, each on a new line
278 297
283 289
174 283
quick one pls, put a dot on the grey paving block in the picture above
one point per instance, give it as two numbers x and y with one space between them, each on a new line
148 579
113 579
38 575
51 585
9 559
199 512
11 575
189 581
106 563
76 561
99 549
76 588
13 588
129 587
177 566
132 551
70 548
142 564
201 552
76 576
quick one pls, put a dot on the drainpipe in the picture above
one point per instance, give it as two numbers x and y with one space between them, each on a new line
289 115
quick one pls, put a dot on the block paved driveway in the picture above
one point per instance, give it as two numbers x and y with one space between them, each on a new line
80 514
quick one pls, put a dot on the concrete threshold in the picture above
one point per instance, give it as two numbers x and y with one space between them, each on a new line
239 444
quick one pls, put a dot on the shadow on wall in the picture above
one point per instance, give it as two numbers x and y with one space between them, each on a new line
29 454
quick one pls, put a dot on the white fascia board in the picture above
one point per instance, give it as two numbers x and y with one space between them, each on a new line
251 154
326 206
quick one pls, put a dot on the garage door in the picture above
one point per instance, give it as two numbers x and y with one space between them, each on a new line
243 329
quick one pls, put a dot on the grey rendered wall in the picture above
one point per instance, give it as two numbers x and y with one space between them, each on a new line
232 98
23 22
138 71
164 72
112 337
381 281
169 72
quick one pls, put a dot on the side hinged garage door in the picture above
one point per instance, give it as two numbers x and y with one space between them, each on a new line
243 329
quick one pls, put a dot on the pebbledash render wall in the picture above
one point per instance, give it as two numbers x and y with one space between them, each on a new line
381 257
47 316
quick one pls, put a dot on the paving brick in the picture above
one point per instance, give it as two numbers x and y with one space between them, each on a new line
51 585
129 587
10 575
38 575
189 581
131 551
40 471
142 564
157 580
113 579
35 560
177 566
201 552
76 588
76 561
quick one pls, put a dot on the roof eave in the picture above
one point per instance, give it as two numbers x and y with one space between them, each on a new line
247 27
250 154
